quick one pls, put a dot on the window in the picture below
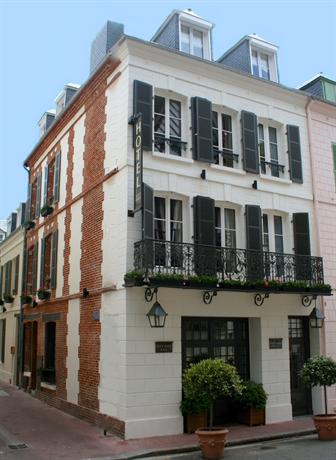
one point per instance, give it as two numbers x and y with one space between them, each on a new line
278 235
168 226
222 139
260 65
192 41
273 247
48 371
334 160
2 340
330 91
168 126
48 261
269 151
225 234
266 246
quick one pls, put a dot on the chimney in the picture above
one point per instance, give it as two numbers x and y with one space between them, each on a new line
107 37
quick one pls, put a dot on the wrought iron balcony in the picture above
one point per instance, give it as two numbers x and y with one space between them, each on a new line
154 258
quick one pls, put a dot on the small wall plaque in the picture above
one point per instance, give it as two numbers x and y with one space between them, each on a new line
275 343
163 347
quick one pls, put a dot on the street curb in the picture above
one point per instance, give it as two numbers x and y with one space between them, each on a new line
185 449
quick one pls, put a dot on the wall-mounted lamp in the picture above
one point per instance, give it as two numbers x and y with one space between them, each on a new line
203 174
85 293
316 318
157 314
255 185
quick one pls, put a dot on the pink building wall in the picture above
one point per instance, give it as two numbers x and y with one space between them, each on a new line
322 132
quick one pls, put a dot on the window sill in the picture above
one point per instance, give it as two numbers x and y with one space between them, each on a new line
280 180
168 156
48 386
229 170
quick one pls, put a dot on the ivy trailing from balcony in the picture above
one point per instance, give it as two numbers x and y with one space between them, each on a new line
136 278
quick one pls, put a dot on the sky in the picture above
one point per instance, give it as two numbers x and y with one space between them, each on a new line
46 44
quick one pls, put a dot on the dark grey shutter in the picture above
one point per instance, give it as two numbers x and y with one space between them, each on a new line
38 196
204 236
3 340
301 233
6 290
34 274
45 189
148 212
54 244
1 280
201 117
250 142
302 246
42 262
25 271
57 172
16 277
28 203
143 103
294 152
254 254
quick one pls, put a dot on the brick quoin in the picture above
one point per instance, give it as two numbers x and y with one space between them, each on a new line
91 247
68 217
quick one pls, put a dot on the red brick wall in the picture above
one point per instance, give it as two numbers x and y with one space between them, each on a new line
91 247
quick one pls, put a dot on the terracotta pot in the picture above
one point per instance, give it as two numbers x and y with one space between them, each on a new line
325 426
212 442
195 421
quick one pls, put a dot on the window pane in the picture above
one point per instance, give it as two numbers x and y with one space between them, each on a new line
159 124
261 144
174 108
227 132
176 210
217 217
273 150
227 122
160 208
255 68
185 39
160 229
159 105
230 219
264 66
265 233
176 232
218 230
278 225
198 43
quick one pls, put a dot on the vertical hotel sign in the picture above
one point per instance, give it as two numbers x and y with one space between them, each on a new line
137 124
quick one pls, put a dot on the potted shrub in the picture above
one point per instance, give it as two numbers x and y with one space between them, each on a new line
46 210
43 294
133 278
1 302
195 413
207 381
26 299
29 224
252 404
321 371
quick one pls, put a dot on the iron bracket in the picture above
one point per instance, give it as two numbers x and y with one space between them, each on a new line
149 293
260 298
307 299
208 295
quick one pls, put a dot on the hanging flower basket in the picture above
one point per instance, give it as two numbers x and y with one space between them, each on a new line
43 294
26 299
29 224
8 298
46 210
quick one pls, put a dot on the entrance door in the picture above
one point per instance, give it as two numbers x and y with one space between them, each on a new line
298 328
225 338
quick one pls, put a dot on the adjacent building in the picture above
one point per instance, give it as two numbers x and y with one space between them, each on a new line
214 226
11 252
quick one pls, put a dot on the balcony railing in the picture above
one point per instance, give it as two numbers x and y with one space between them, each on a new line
154 257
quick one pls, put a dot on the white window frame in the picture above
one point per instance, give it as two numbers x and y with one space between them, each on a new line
223 227
184 121
235 134
206 45
271 229
273 71
167 214
280 148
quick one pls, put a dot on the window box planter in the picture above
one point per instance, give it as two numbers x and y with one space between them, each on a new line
29 224
1 302
251 404
26 299
167 280
195 421
203 282
8 298
251 417
133 279
43 294
46 210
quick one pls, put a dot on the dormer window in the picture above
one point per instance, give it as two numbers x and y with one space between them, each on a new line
260 65
192 41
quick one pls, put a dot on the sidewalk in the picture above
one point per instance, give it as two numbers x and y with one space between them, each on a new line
51 434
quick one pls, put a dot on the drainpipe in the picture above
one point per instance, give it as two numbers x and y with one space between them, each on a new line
316 208
19 361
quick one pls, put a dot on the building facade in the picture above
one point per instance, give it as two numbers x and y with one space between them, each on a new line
11 262
225 240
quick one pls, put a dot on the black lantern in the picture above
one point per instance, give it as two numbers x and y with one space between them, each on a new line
157 315
316 318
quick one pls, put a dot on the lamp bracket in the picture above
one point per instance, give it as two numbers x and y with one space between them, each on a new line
259 299
208 295
307 299
149 293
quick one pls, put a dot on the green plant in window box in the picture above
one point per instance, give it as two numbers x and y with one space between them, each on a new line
133 278
168 279
29 224
43 294
203 281
1 302
46 210
320 287
195 414
8 298
26 299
